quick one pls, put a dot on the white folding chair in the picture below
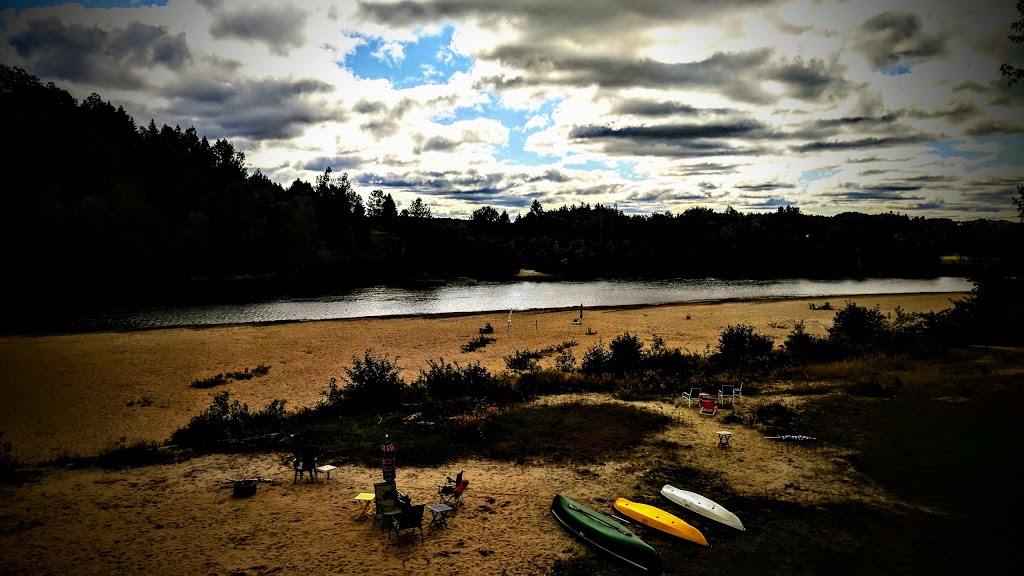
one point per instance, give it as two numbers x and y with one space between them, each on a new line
726 393
691 396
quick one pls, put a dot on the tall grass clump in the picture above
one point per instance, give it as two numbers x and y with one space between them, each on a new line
477 343
131 455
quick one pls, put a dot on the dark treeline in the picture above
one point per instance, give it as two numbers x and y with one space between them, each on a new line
101 211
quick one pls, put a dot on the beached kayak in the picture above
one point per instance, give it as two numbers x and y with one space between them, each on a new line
660 520
701 505
603 532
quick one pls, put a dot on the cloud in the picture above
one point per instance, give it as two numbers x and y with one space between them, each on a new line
895 38
90 54
251 108
279 27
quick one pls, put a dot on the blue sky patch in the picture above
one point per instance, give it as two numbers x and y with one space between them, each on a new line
428 60
812 175
515 120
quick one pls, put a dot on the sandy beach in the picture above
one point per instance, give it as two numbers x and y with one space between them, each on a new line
77 394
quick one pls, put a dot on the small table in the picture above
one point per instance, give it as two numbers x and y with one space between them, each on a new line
724 437
439 512
366 498
326 469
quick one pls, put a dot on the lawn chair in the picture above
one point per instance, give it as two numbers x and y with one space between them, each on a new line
410 518
448 488
305 462
692 395
726 393
737 391
708 406
386 501
455 498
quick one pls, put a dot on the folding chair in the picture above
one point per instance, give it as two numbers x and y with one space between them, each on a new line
692 395
446 490
726 393
708 406
410 518
305 462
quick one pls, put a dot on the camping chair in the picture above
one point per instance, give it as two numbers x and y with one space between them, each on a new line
726 392
386 500
410 518
708 406
455 497
692 395
737 391
305 461
448 488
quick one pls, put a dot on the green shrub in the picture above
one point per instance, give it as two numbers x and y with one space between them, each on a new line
444 381
374 385
596 360
477 343
626 353
858 327
522 361
565 361
227 419
740 341
803 347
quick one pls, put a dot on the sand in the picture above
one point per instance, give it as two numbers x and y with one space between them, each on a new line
75 395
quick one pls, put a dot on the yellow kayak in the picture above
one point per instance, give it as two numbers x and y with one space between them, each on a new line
660 520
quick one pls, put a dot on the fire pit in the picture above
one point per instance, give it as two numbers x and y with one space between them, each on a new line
244 488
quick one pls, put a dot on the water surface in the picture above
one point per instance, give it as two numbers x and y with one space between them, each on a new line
517 295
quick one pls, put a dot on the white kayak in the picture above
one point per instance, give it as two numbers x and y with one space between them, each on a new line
701 505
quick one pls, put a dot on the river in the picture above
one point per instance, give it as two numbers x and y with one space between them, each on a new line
515 295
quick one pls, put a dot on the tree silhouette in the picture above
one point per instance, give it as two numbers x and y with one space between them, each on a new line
1012 73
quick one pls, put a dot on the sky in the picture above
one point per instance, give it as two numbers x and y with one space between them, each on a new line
651 106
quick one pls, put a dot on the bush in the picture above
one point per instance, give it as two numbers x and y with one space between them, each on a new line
626 353
741 341
477 343
566 361
137 454
444 381
227 419
596 360
804 347
858 327
522 361
374 385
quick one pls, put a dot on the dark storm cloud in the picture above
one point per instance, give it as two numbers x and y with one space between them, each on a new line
551 175
858 144
256 109
705 168
991 128
670 132
437 183
763 203
851 192
765 186
736 75
90 54
550 14
895 38
955 112
665 195
280 27
648 107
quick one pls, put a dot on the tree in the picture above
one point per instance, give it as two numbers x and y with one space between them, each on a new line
1019 202
381 206
418 209
485 215
1012 73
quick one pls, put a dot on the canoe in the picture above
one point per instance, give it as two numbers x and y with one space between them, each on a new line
603 532
660 520
701 505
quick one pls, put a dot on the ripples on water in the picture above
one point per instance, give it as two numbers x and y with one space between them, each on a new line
520 295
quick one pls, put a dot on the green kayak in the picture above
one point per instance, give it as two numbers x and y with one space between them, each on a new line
604 532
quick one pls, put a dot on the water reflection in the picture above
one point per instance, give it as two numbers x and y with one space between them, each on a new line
523 295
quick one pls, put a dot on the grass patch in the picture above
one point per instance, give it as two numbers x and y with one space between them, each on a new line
222 378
